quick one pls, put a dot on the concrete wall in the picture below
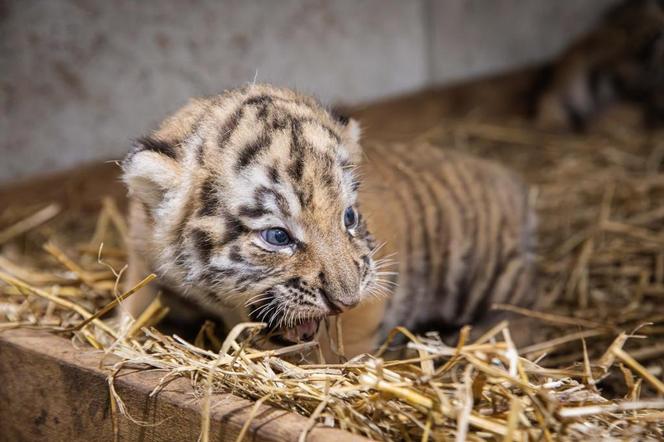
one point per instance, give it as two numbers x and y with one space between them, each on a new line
470 38
80 78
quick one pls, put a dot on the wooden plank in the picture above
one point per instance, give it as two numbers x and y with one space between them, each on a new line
50 390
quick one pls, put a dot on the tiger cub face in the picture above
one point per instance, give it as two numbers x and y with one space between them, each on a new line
250 199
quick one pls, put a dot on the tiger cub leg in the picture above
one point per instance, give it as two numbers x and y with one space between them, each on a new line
138 268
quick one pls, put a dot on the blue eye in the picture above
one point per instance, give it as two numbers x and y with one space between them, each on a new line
350 218
276 236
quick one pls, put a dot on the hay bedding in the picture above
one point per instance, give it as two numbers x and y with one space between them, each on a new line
592 371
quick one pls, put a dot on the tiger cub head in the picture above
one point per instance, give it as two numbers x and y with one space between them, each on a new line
251 201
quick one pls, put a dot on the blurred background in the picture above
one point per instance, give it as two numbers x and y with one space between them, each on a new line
80 78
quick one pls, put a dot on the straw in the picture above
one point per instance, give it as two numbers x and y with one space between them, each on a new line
581 373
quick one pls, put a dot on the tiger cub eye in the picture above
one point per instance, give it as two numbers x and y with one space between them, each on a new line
276 236
350 218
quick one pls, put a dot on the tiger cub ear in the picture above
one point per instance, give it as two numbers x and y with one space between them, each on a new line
351 135
150 169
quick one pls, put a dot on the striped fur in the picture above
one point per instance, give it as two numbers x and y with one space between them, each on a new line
622 59
462 235
222 169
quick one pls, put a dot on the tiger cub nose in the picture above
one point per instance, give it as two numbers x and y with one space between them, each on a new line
340 304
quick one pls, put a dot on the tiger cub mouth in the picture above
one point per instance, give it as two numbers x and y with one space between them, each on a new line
304 331
286 328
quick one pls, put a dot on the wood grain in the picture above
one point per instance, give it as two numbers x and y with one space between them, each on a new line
50 390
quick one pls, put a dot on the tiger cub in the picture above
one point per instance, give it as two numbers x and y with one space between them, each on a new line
248 206
621 60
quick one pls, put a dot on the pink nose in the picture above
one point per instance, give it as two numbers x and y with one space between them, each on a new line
339 305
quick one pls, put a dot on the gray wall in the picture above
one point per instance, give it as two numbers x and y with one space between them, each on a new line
80 78
470 38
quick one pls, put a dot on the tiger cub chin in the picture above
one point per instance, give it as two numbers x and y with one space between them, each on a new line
620 60
248 206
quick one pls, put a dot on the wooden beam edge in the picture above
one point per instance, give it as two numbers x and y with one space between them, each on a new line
50 388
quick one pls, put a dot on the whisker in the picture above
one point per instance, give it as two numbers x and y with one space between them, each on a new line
260 311
387 257
257 299
278 314
378 293
382 265
387 290
377 248
289 317
386 282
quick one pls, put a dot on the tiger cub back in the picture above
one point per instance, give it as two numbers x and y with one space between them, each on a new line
459 229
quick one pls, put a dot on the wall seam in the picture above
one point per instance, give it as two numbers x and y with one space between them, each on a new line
428 23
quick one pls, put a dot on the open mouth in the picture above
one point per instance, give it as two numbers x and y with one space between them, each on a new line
304 331
283 332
